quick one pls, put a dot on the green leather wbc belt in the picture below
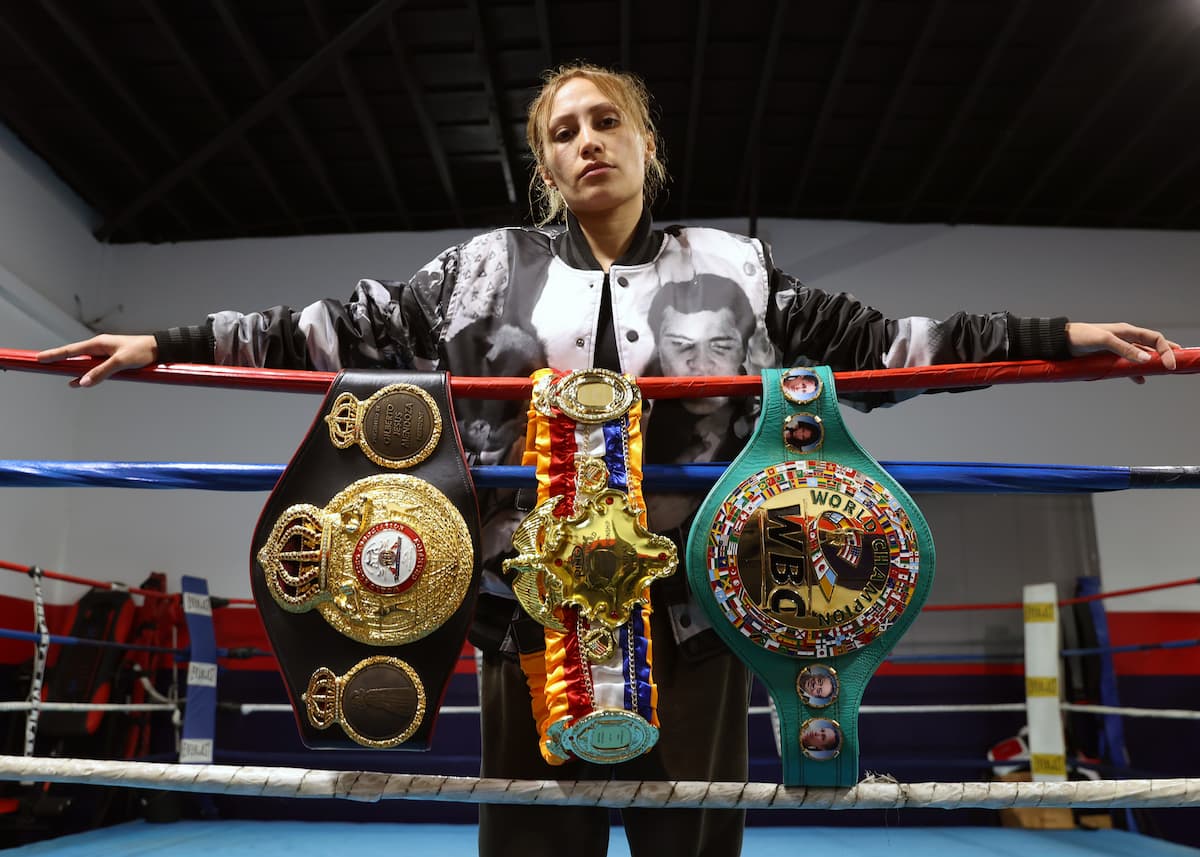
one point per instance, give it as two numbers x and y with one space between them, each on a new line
811 562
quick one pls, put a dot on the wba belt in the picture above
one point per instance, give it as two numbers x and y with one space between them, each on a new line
364 566
811 562
583 567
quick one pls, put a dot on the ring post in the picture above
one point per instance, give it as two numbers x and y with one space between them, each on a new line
1113 731
200 716
1047 747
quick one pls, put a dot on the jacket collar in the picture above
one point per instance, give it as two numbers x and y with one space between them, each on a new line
573 248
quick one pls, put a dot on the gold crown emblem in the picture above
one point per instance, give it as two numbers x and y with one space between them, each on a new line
321 699
291 558
344 420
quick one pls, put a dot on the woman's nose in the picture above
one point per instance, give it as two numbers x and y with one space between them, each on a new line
589 142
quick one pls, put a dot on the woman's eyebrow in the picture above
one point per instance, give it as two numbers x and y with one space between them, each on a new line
598 107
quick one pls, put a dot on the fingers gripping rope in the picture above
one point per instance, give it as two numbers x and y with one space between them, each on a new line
872 793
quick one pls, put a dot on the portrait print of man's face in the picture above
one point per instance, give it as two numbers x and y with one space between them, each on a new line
700 343
702 327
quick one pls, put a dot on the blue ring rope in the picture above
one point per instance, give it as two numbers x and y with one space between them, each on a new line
947 477
1132 647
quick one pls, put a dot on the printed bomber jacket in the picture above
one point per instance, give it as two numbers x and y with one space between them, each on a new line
681 301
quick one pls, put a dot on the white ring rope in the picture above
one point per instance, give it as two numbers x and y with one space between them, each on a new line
1169 713
284 708
872 793
92 706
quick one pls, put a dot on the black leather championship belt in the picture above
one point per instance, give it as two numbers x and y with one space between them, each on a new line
364 566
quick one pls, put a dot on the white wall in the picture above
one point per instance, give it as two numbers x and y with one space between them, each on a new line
47 257
1141 277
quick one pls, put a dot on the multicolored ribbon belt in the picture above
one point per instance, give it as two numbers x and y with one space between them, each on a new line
583 567
811 562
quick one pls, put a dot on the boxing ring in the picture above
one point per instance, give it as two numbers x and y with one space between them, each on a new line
875 792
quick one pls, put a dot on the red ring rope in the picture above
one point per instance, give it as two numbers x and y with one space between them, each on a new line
936 608
106 584
1095 367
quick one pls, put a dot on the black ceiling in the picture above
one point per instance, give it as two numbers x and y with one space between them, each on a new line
192 119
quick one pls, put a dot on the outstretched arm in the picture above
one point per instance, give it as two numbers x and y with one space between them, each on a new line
122 352
384 324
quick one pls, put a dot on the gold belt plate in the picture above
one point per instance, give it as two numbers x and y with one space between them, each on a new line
601 559
386 562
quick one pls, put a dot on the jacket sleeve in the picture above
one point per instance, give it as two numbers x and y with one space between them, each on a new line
811 327
384 324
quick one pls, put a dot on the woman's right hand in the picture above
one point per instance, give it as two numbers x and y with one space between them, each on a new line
123 351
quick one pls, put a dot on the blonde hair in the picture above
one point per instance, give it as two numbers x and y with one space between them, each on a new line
627 92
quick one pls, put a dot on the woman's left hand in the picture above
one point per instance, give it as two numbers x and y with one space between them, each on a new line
1138 344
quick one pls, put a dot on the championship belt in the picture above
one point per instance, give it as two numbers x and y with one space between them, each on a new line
583 567
811 561
366 599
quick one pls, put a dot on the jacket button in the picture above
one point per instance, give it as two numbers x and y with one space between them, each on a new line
579 342
623 282
632 335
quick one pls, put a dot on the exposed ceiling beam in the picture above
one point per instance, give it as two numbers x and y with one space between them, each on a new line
494 94
239 32
429 131
1050 73
626 26
362 114
689 144
173 40
109 75
1184 217
918 53
841 67
1165 103
47 146
262 108
983 76
1180 168
1100 102
541 10
82 108
766 73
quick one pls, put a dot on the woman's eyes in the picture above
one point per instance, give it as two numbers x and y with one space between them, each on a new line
562 135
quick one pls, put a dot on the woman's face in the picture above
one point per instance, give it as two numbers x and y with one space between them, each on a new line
594 157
